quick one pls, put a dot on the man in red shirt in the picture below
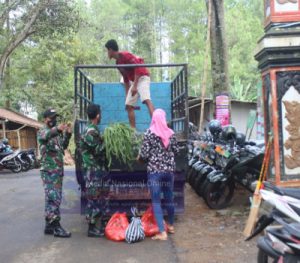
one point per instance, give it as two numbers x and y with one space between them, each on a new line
136 80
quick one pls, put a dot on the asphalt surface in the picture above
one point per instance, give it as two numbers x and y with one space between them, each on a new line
22 224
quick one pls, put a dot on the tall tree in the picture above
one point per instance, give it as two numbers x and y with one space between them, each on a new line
218 47
186 30
244 24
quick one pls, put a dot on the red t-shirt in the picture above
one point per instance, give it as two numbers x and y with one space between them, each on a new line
128 73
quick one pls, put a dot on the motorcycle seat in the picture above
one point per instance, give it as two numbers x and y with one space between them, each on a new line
4 154
292 192
265 244
31 150
281 233
293 229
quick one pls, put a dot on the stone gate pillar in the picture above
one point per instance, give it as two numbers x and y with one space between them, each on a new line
278 56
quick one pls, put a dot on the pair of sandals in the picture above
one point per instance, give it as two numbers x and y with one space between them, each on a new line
164 236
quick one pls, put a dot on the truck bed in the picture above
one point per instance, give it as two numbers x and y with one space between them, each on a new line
129 187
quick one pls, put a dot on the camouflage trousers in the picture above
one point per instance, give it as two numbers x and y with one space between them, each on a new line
52 182
97 194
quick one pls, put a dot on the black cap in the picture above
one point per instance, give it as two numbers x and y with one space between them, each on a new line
50 113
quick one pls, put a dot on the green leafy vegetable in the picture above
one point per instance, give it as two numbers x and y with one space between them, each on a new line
121 142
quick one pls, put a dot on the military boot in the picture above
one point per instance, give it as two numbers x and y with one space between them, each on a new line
93 231
54 228
49 228
59 231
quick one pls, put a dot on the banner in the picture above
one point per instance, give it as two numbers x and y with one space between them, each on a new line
222 109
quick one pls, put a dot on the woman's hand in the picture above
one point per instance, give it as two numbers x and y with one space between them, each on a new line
139 159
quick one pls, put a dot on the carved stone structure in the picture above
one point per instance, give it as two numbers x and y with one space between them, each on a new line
278 55
281 11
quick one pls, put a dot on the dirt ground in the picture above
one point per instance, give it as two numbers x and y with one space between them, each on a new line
209 236
202 235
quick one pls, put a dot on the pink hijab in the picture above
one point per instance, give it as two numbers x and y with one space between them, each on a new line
160 127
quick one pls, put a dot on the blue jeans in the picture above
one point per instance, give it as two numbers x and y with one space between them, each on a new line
162 182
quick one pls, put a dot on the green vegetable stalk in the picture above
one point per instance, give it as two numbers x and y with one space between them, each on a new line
122 142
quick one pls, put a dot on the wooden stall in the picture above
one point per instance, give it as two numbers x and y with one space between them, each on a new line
20 130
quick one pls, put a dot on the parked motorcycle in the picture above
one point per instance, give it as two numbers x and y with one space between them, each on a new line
206 161
221 159
239 164
10 161
195 150
33 160
202 152
281 242
24 158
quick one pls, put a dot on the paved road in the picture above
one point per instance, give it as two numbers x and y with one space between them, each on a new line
22 223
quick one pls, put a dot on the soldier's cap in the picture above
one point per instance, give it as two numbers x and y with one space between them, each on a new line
50 113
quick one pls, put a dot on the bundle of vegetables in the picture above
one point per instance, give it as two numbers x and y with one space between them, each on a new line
121 142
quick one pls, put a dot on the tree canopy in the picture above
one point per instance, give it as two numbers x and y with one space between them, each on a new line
42 40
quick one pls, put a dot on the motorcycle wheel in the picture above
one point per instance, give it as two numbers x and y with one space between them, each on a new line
189 172
218 195
193 180
192 175
37 164
26 165
17 168
262 257
199 184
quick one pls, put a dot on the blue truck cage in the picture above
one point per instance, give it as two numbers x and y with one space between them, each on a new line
129 187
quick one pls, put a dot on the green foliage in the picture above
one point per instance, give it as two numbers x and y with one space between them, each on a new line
244 28
186 27
242 92
60 18
39 69
49 71
73 32
121 142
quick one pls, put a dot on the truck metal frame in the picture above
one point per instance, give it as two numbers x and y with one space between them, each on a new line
133 189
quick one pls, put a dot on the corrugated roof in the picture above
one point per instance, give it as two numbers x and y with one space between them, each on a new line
196 100
19 118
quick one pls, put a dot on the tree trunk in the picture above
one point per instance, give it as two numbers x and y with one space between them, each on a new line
7 78
26 31
10 5
218 48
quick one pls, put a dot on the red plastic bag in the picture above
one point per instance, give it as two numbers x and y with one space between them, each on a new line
116 227
149 223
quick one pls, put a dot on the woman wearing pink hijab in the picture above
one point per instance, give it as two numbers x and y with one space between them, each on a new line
158 150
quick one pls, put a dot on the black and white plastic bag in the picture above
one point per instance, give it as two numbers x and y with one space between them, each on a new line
134 232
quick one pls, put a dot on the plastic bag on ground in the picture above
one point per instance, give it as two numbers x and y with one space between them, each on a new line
116 227
135 231
149 223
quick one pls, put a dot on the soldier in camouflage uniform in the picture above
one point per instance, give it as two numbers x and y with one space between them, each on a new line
94 170
53 140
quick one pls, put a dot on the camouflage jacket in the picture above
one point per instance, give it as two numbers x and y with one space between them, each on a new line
92 148
52 145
